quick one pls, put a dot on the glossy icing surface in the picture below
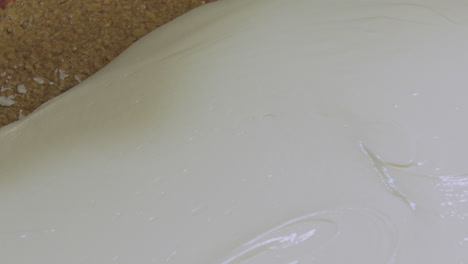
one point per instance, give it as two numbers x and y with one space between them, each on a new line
287 132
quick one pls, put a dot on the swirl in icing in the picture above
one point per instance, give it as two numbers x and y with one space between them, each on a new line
317 131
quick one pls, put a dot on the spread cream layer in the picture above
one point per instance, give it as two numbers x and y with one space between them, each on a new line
250 131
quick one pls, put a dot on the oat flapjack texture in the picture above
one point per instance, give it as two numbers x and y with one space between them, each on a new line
47 47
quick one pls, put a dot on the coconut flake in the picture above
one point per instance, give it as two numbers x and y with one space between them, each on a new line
39 80
7 100
21 88
20 114
77 78
62 74
4 88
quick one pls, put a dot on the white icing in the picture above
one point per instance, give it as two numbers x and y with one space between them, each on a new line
250 131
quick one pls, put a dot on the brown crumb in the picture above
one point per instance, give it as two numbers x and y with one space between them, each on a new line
50 46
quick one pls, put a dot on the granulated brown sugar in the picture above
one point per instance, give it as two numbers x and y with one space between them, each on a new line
47 47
